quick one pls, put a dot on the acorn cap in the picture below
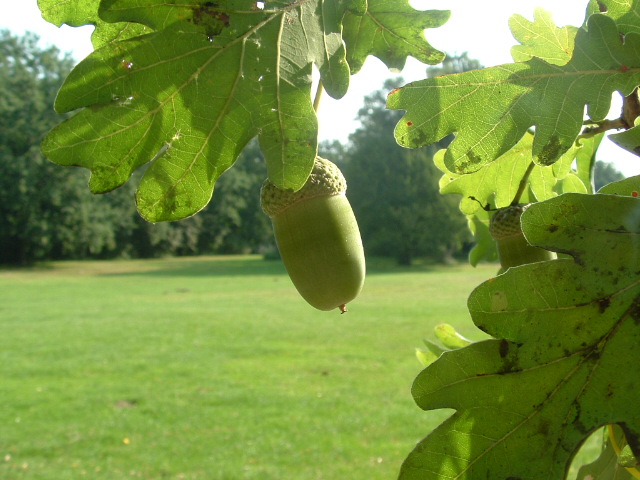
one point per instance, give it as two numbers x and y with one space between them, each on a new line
325 179
505 222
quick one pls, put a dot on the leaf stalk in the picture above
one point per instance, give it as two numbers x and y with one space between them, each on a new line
523 184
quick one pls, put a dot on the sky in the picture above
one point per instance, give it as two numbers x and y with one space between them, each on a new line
479 28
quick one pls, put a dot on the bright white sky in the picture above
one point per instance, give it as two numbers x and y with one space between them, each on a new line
477 27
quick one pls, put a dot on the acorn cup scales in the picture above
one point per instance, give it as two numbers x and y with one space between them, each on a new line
318 237
513 248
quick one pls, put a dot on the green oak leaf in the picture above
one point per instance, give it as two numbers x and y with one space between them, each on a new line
629 140
391 31
430 355
627 459
315 24
70 12
449 339
188 103
106 33
212 16
491 109
76 14
573 183
526 400
495 185
624 12
628 186
542 39
586 160
606 466
485 246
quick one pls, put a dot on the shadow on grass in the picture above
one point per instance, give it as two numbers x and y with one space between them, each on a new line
249 265
204 266
31 267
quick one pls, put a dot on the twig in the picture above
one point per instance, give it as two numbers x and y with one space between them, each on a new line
316 100
631 108
630 111
603 126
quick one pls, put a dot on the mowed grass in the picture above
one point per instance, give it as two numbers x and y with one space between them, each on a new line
214 368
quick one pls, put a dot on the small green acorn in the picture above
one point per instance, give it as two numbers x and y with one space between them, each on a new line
513 248
318 237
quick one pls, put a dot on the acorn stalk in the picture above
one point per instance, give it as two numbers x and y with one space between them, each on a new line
513 247
318 237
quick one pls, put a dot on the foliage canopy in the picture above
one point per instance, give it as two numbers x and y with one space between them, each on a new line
184 87
190 95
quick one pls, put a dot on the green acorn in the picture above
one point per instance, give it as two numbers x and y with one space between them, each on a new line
513 248
318 237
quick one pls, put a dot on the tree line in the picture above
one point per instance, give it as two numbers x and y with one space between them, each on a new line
47 211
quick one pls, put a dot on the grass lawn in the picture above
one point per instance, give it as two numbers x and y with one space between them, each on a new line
213 368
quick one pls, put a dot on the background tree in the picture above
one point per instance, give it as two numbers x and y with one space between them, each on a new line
45 212
333 150
394 191
233 222
605 173
563 353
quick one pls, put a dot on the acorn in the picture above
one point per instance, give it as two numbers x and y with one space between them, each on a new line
513 248
318 237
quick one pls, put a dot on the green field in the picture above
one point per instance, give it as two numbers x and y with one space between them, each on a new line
213 368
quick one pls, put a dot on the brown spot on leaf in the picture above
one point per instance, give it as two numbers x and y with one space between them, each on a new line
634 311
504 348
603 304
609 391
550 152
510 359
464 165
544 427
577 421
211 17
